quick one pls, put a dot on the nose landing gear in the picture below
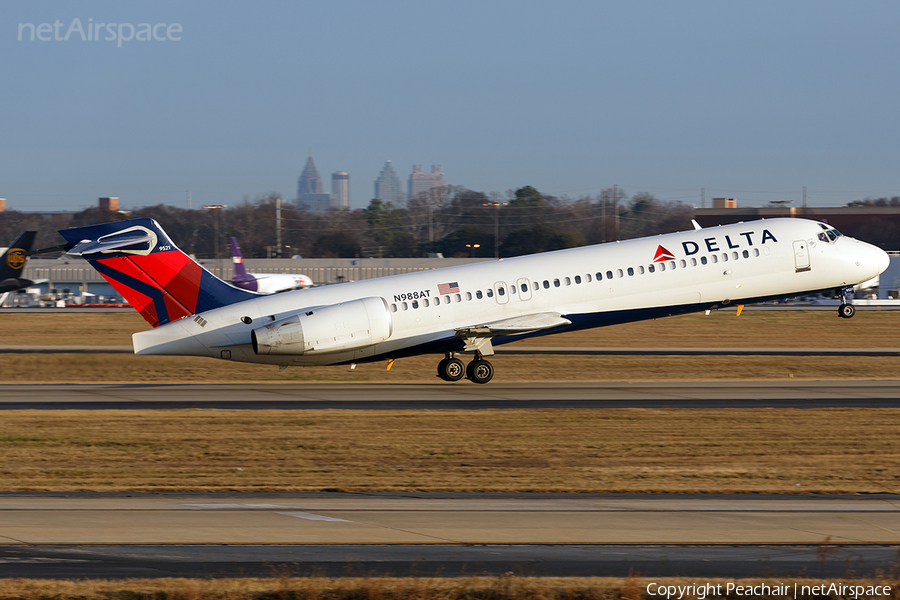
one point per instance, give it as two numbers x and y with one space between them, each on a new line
846 310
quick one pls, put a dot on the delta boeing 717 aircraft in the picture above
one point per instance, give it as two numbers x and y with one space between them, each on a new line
467 308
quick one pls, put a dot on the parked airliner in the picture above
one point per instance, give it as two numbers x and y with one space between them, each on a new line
264 283
472 307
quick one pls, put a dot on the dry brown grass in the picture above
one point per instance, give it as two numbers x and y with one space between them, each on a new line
383 588
720 329
617 450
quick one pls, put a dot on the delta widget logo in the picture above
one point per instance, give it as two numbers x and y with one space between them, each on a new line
662 255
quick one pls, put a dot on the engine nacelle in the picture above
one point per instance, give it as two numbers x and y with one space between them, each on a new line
344 326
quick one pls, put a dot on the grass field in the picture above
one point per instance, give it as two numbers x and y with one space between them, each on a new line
382 588
562 450
720 329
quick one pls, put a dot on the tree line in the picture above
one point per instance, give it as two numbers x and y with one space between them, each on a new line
453 221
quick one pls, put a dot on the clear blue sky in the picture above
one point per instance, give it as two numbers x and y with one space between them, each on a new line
750 100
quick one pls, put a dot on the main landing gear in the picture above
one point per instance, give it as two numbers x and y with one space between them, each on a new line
846 310
479 370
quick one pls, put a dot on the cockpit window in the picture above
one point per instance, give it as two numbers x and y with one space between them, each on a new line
831 235
837 233
822 237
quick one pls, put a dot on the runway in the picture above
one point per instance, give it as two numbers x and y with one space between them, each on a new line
384 534
461 395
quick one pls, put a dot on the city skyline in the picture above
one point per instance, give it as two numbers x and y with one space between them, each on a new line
752 101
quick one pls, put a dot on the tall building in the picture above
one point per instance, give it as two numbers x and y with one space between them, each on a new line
340 189
309 187
387 186
422 182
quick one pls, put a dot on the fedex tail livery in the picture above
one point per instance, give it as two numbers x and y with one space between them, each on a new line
470 307
264 283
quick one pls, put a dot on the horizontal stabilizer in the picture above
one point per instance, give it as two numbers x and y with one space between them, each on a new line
131 238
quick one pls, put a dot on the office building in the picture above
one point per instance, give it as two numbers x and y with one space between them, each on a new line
309 188
387 186
420 181
340 189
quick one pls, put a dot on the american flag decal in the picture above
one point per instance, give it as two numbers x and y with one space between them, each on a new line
448 288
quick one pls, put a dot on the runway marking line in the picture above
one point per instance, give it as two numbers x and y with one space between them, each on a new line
312 517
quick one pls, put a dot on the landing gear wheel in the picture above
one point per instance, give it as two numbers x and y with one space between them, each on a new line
480 371
451 369
846 311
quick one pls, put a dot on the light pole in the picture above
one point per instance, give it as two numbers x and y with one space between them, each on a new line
216 208
496 226
471 248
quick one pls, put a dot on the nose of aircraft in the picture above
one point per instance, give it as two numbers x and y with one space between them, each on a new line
872 258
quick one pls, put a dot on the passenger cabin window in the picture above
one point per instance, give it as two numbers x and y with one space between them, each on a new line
703 260
556 283
501 291
425 303
714 258
394 307
578 279
524 287
609 274
662 266
599 276
468 295
587 278
459 297
734 255
746 253
568 281
672 264
512 289
651 268
490 293
546 285
478 294
415 304
640 269
535 285
724 257
446 299
405 306
694 262
683 263
620 273
756 252
630 271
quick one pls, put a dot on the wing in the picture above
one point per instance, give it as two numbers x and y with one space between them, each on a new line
478 337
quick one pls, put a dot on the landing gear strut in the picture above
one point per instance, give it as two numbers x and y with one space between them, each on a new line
451 368
846 310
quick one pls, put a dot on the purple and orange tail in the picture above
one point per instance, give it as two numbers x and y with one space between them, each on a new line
239 271
140 261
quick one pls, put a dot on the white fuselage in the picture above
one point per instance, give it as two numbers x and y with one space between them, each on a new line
591 286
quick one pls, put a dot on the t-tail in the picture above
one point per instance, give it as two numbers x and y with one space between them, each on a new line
140 261
239 271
